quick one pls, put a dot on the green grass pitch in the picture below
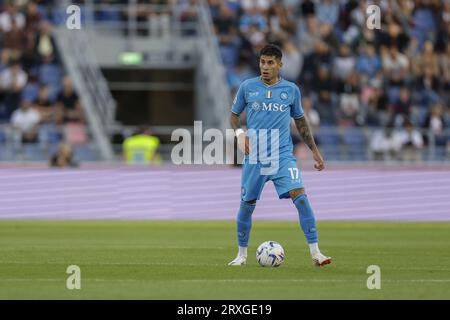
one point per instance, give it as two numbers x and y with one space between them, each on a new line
188 260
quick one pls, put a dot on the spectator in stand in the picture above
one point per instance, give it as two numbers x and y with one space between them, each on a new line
311 114
260 5
328 36
412 142
403 68
227 33
281 20
45 49
344 63
425 18
12 82
33 17
385 144
325 88
225 24
328 12
43 104
159 18
321 56
33 20
378 113
394 62
308 34
14 41
428 87
436 125
444 67
393 36
25 121
369 63
401 110
427 59
292 61
63 158
308 8
253 17
349 104
188 13
68 105
9 16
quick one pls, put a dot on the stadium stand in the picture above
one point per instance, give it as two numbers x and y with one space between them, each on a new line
359 81
344 66
31 76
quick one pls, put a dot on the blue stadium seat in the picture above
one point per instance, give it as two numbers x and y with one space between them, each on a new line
353 136
54 136
327 137
112 16
355 143
440 153
2 136
50 74
30 92
331 152
84 153
33 152
59 16
43 12
6 153
328 142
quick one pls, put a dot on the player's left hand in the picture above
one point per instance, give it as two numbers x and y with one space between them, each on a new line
319 165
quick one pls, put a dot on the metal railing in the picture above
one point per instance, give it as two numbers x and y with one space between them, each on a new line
212 73
49 137
336 144
354 144
96 99
136 19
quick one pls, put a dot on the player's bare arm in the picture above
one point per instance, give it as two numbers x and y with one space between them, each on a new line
242 139
308 139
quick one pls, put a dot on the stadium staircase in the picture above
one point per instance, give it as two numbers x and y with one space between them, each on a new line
99 44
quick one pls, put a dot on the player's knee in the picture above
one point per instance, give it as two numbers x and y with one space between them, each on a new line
296 192
250 201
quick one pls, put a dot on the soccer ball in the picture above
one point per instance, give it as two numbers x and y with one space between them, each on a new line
270 254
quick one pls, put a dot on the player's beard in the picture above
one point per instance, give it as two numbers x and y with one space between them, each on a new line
268 77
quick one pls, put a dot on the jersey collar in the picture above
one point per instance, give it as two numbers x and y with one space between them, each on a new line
270 85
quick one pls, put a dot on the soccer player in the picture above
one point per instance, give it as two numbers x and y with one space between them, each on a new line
270 103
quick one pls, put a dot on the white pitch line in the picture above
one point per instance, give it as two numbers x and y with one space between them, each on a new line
225 280
147 264
313 280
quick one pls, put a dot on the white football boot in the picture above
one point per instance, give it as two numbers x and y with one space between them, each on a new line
238 261
319 260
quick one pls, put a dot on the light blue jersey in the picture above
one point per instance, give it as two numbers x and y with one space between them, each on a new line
270 107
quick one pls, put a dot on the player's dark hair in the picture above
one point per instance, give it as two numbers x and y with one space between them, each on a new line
271 50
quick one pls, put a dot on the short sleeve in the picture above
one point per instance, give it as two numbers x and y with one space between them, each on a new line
239 101
297 109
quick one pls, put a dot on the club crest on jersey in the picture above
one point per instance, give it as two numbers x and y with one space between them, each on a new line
255 106
283 95
269 94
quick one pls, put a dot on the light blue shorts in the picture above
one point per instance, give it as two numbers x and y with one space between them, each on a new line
285 179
